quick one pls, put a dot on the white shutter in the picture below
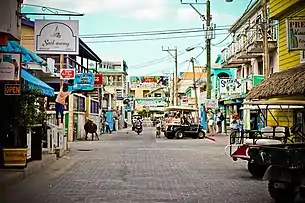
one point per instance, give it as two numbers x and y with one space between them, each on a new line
302 57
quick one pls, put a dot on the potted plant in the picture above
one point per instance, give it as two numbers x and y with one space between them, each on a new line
32 115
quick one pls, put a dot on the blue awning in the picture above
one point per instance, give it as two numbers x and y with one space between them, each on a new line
35 83
27 55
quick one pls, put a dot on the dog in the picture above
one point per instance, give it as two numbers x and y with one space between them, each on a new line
91 127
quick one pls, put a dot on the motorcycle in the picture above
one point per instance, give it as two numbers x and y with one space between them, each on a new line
138 128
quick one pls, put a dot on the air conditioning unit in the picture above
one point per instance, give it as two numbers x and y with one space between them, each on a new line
302 57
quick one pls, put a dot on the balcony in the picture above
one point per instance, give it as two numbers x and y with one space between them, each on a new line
255 40
241 50
118 84
230 54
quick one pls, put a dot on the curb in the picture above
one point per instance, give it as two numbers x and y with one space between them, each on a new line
14 176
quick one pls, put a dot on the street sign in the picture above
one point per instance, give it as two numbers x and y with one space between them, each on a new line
67 74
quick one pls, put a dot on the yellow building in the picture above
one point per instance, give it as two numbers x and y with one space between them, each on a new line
283 11
288 83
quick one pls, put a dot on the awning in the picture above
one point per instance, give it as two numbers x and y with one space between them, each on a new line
35 83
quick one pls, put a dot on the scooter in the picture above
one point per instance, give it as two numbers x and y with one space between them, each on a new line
138 128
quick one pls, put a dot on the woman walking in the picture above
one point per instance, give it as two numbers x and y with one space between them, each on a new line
210 119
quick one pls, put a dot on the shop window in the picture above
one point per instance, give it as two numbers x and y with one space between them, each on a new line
81 104
94 107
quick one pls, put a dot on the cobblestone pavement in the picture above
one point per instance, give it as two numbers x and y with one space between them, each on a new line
125 167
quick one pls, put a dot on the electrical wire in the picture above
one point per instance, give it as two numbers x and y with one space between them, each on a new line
163 59
150 39
140 32
245 11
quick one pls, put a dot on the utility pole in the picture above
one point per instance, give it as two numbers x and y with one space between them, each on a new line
195 87
209 35
175 56
265 39
208 47
173 89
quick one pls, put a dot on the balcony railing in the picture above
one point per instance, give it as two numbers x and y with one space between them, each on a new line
114 83
252 35
256 34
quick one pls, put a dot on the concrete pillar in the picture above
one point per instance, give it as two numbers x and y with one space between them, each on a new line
109 101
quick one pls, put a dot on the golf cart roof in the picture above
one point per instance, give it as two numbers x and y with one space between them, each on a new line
289 103
181 108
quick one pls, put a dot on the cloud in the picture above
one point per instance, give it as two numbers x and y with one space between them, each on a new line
139 9
188 14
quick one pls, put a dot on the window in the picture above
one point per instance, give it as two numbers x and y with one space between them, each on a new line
81 104
94 107
260 68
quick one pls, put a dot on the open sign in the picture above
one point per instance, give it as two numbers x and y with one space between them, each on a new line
12 89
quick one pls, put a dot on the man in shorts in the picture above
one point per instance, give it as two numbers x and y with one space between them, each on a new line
60 103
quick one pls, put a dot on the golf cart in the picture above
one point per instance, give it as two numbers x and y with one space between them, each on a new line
286 171
245 144
179 130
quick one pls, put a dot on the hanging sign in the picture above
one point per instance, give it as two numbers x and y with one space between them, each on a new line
12 89
10 66
211 103
295 34
230 86
98 79
67 74
57 37
83 82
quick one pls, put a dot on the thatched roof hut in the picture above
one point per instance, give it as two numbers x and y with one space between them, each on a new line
289 82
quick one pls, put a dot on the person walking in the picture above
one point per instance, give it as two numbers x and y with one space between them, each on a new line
210 119
219 119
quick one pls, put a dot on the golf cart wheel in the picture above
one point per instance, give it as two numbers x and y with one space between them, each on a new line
201 135
256 170
281 194
179 134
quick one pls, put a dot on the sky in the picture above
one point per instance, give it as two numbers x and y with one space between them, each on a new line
147 57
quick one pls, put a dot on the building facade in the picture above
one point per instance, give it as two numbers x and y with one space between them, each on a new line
141 86
245 56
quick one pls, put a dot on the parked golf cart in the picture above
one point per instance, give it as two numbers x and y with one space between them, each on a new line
247 142
286 171
180 130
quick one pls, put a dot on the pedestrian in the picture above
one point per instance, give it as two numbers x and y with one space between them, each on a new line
219 119
60 103
210 119
108 130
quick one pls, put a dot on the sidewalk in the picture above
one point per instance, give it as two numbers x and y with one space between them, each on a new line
10 177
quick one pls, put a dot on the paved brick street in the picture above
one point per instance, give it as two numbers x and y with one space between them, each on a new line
130 168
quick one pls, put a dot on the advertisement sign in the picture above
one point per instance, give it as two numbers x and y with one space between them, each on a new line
12 89
230 86
83 82
150 102
211 103
57 37
148 81
10 66
67 74
295 34
98 79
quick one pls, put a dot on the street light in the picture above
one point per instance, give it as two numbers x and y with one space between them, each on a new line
192 48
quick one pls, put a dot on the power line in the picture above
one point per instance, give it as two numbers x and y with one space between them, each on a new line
150 39
245 11
139 32
162 59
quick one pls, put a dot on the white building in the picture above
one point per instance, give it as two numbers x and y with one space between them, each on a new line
246 51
